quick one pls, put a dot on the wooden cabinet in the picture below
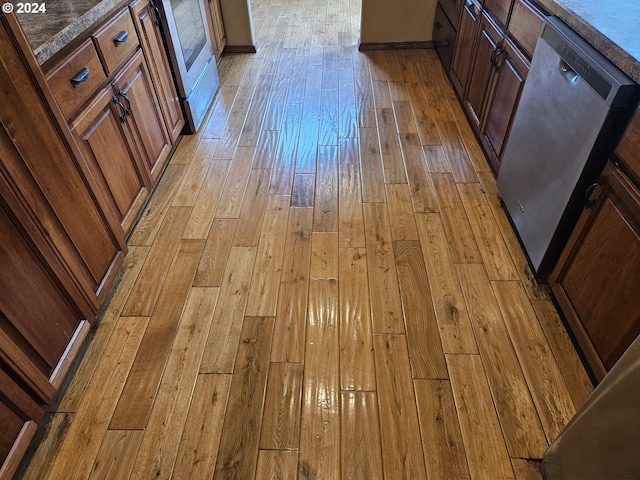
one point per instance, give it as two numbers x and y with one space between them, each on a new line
110 158
493 47
150 35
444 35
510 74
143 118
483 69
463 54
216 27
597 279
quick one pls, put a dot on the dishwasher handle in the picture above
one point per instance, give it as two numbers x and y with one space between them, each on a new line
568 73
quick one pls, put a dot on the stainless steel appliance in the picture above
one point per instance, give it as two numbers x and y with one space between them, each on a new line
191 53
602 440
571 102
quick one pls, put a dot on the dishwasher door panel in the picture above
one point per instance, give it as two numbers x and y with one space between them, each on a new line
556 142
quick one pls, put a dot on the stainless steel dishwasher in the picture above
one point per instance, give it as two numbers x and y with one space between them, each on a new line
572 102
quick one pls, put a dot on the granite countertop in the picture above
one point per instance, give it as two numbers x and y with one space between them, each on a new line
47 33
610 26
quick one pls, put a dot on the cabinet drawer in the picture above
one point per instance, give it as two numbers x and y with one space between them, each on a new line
628 149
76 78
116 40
525 25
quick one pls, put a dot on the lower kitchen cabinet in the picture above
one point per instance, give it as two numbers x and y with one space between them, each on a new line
142 116
110 158
510 74
444 36
216 27
147 25
465 41
597 279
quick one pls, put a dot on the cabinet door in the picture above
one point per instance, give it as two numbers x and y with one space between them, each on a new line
463 55
499 8
19 413
597 279
36 314
143 120
110 159
503 102
150 36
482 70
218 35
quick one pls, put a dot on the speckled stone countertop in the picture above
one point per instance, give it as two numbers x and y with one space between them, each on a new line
611 26
47 33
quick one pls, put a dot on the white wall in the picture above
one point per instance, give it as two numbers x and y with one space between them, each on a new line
388 21
238 24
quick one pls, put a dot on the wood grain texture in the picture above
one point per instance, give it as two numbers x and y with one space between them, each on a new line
238 452
216 251
144 293
401 216
281 415
277 465
443 447
303 192
350 215
325 217
456 224
386 307
397 409
254 203
291 312
493 250
518 416
201 219
461 166
456 331
371 173
117 454
87 431
142 384
203 427
483 441
265 281
161 441
195 174
357 368
392 162
236 184
548 388
573 371
423 338
320 425
360 436
324 255
229 313
423 194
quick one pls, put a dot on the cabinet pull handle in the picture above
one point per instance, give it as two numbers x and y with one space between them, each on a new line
588 201
126 99
157 10
81 76
499 53
437 25
123 117
445 42
120 38
469 3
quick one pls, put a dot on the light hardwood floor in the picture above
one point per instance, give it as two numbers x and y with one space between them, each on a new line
323 286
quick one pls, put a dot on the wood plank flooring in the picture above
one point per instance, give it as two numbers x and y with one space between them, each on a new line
323 286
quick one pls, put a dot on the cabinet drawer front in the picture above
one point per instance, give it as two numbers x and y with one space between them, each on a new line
629 147
116 40
76 78
525 25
